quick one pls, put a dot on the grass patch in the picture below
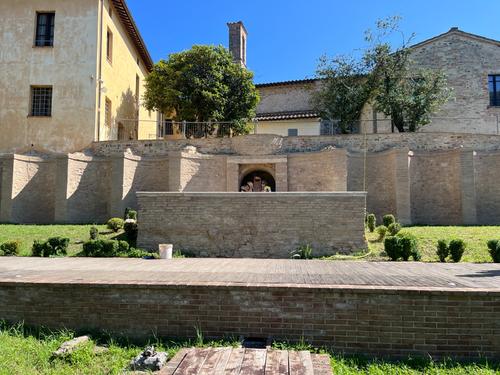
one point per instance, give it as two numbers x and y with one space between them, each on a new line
27 350
351 365
427 236
26 234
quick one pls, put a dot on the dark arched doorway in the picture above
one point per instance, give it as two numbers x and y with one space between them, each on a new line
258 181
122 136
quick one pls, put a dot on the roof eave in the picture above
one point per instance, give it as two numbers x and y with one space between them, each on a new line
133 32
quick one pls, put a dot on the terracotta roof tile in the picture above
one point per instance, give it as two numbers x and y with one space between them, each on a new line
287 115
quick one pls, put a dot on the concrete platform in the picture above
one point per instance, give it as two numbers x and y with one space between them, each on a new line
380 309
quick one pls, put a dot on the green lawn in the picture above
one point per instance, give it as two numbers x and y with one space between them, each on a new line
474 237
26 234
27 352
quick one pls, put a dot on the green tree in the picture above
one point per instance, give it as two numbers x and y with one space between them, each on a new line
202 84
385 77
400 89
343 91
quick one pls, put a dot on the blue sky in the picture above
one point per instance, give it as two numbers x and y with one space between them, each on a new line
286 37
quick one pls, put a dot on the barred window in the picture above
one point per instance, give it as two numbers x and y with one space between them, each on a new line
293 132
41 101
44 36
107 113
494 88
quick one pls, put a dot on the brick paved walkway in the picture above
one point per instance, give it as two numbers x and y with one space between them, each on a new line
238 361
254 272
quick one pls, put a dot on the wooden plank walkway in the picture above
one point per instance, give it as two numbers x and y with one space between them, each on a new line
239 361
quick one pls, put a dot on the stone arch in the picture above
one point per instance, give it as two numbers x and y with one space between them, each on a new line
256 174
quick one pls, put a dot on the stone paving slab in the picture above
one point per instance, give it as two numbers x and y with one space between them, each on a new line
253 272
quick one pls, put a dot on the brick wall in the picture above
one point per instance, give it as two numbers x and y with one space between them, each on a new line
436 188
487 167
380 181
394 323
252 225
318 171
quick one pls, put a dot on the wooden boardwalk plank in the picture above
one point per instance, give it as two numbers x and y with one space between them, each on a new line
233 366
254 362
321 364
296 367
305 357
223 361
277 362
211 362
192 362
172 365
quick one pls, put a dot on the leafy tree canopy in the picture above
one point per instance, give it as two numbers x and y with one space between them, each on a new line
202 84
385 77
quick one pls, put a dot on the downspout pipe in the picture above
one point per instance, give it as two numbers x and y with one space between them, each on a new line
99 79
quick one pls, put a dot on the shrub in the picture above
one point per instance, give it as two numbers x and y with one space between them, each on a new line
94 233
416 255
394 228
178 254
494 248
457 248
139 253
10 248
101 248
371 222
115 224
55 246
442 250
404 246
407 244
382 231
303 252
123 247
388 220
131 230
130 214
391 248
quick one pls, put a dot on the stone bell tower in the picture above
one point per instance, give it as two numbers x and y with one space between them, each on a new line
238 42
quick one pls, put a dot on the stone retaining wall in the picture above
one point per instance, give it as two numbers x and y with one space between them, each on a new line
252 225
374 321
269 144
439 178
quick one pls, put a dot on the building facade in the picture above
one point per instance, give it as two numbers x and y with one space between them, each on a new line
72 72
472 67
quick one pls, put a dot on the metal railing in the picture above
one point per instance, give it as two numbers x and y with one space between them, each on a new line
188 129
152 129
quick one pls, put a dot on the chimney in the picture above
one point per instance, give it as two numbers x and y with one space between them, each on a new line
238 42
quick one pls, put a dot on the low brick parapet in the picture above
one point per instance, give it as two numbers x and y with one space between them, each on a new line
253 225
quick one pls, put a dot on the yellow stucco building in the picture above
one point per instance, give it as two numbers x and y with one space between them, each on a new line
71 72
